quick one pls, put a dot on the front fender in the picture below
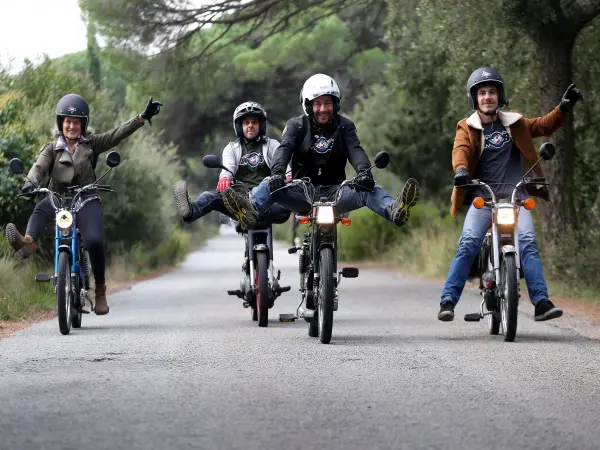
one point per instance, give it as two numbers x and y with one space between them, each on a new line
510 249
64 248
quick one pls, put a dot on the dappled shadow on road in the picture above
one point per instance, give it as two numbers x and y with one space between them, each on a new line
369 339
529 337
405 339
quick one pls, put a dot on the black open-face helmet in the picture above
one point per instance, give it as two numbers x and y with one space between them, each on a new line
250 109
483 76
72 105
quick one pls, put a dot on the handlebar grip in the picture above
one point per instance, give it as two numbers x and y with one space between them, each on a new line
536 180
102 186
27 194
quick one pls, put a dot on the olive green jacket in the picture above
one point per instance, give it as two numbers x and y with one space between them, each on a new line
66 169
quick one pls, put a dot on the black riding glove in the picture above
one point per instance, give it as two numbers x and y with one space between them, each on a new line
571 96
276 182
28 187
364 182
462 177
152 109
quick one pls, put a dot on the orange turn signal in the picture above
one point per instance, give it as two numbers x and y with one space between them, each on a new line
303 220
529 203
346 221
478 202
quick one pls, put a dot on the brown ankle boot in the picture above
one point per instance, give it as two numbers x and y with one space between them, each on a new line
101 303
23 245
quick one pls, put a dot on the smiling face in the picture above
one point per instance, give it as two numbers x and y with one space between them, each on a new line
71 127
487 98
322 109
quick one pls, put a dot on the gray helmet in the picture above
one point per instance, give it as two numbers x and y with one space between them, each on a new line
481 76
248 109
72 105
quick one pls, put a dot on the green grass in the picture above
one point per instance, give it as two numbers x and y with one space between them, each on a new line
21 297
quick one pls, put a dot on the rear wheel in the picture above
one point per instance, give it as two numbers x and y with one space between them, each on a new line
493 323
313 325
326 293
77 314
63 292
510 300
262 288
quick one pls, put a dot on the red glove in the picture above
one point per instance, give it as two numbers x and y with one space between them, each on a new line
224 183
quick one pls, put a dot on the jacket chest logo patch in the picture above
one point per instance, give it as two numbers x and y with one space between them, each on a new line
322 145
252 160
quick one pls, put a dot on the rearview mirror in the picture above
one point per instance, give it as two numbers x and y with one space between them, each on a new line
212 162
547 151
382 159
15 166
113 159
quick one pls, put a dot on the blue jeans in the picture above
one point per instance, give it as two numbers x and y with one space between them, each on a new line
213 201
475 227
292 197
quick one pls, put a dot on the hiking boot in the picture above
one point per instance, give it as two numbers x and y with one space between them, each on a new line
182 201
23 245
446 313
545 310
405 201
241 208
101 307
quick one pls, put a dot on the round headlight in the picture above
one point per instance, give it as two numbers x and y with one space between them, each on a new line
64 219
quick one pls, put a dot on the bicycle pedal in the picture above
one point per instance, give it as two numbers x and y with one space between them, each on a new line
473 317
43 278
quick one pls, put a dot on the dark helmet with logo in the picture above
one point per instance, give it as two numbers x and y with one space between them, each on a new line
250 109
483 76
72 105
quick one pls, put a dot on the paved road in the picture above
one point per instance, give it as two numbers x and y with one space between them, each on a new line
179 364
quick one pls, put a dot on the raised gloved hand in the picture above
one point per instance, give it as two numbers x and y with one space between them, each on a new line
152 109
364 182
462 177
571 96
28 187
223 184
276 182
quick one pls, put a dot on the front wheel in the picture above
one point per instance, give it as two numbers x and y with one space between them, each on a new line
510 297
326 293
63 292
262 288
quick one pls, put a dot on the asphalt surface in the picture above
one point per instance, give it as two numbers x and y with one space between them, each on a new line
179 364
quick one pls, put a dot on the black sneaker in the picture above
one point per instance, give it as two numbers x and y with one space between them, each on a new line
182 202
241 208
446 313
545 310
405 201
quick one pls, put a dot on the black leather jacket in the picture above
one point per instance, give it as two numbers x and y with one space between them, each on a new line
319 152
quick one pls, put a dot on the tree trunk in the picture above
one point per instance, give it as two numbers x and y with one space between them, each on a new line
556 73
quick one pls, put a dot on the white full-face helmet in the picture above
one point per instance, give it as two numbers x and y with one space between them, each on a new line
317 85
